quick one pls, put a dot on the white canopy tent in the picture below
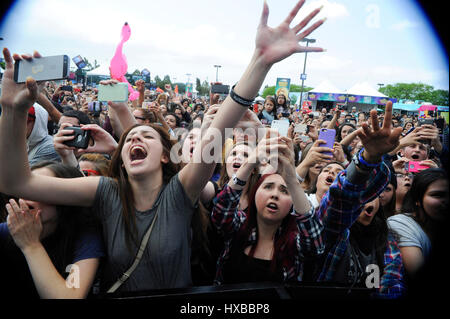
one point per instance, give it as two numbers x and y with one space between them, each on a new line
326 87
364 88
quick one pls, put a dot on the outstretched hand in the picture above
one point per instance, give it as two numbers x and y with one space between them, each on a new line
276 44
17 95
377 140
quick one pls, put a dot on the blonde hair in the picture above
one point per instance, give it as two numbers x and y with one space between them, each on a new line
100 162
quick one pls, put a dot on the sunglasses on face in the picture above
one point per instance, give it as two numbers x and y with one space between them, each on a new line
90 172
139 118
410 176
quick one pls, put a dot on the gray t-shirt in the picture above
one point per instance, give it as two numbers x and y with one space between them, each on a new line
166 260
409 233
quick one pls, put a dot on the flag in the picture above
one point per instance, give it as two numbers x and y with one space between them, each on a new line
176 89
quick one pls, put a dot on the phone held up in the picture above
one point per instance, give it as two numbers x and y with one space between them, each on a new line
414 167
328 135
81 137
113 92
282 126
42 69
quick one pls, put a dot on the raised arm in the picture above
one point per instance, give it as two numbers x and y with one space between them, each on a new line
272 45
16 179
55 115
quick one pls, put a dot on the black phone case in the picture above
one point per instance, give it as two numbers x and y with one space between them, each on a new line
81 139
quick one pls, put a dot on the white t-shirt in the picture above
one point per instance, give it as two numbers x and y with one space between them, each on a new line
313 199
409 233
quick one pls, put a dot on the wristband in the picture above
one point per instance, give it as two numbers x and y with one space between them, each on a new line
238 181
300 179
361 163
240 100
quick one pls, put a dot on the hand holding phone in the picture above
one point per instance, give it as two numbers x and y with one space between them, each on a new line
42 69
426 121
414 167
301 128
81 137
117 92
281 126
327 135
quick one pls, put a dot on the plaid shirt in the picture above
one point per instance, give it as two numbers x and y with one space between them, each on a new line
228 220
339 209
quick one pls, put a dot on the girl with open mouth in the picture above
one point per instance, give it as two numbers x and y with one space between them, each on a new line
145 187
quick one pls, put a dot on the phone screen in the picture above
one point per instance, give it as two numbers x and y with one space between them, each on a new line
42 69
281 126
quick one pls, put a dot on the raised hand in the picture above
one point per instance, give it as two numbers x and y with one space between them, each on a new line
209 117
379 141
24 224
23 95
249 120
103 141
140 84
317 154
276 44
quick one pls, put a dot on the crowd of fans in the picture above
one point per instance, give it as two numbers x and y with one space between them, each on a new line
311 214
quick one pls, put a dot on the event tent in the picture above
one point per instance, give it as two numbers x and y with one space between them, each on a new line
361 95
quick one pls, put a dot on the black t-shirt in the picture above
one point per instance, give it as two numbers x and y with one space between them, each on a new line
242 268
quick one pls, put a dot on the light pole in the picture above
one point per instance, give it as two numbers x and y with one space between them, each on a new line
217 71
380 85
303 75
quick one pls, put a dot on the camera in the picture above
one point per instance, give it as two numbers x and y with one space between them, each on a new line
81 137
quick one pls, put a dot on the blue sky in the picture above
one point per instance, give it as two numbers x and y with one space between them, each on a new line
378 41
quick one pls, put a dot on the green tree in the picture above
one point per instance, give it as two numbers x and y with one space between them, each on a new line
205 88
181 87
298 88
416 91
198 86
158 82
440 97
270 90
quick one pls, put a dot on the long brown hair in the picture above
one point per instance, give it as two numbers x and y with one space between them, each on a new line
282 239
118 172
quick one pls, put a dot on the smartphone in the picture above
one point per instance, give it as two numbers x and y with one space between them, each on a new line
327 135
425 121
439 124
78 60
114 92
146 105
81 139
304 138
414 167
220 89
42 69
281 126
300 128
68 88
94 106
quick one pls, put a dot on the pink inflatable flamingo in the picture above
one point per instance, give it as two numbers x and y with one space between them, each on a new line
118 67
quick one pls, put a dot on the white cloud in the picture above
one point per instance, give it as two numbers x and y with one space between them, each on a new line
330 10
403 25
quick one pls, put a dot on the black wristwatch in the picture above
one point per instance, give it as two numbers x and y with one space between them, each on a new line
361 163
238 181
